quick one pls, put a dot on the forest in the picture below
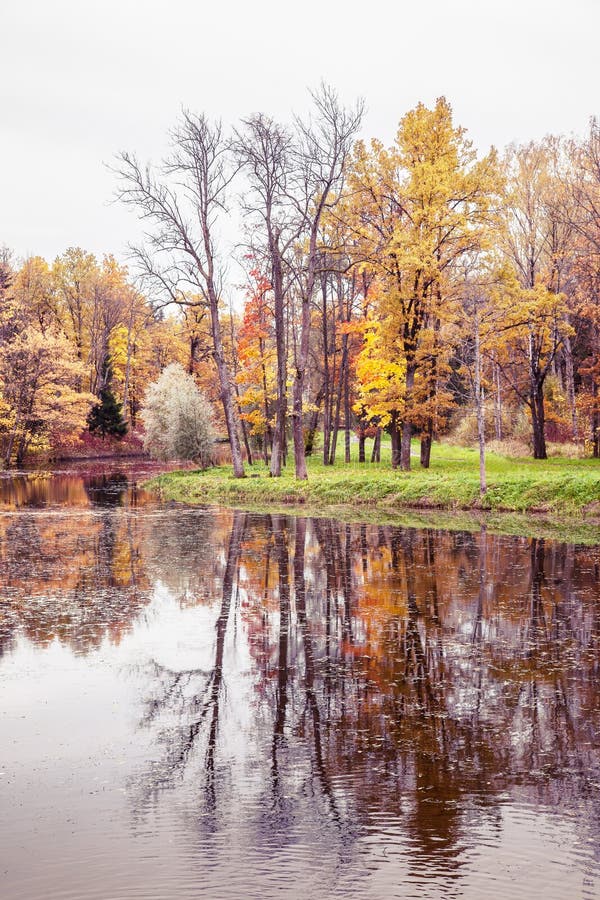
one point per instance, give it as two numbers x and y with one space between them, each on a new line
420 291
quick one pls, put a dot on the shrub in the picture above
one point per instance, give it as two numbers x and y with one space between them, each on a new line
177 418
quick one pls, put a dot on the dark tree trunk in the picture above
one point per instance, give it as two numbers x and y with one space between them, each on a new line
426 450
595 421
298 390
225 385
397 441
431 374
235 383
407 431
570 384
20 454
338 400
244 430
278 446
376 452
361 445
538 422
407 427
246 443
497 402
347 413
326 379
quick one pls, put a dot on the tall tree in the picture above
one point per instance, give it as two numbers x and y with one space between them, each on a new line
264 149
182 201
417 209
323 148
536 240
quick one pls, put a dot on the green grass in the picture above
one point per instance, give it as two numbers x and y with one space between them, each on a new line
560 496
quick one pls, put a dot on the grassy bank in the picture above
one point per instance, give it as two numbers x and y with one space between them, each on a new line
559 497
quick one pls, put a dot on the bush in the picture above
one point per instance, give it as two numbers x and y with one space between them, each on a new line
178 418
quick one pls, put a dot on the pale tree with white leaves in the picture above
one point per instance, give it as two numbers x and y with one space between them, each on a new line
178 419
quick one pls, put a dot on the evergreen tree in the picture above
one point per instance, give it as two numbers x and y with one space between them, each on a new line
106 417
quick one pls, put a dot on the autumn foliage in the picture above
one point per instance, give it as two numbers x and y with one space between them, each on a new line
403 289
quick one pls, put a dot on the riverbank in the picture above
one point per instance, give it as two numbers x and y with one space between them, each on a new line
557 497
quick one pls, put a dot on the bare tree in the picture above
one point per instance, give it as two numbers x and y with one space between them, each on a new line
322 148
182 201
264 150
295 179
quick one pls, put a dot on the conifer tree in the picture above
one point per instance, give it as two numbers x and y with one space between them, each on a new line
106 416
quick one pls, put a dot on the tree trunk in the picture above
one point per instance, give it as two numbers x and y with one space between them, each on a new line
298 389
407 427
338 401
309 444
480 410
376 452
570 385
268 435
326 379
426 450
431 375
361 446
595 420
277 450
347 414
538 421
225 385
244 432
497 403
11 443
126 415
407 431
21 451
237 388
396 442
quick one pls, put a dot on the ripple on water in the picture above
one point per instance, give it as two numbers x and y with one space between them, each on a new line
206 703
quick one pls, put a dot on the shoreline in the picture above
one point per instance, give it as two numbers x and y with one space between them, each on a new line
421 499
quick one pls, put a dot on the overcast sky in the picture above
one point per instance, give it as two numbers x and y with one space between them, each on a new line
80 80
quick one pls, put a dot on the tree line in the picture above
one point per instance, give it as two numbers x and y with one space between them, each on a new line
386 286
79 345
408 289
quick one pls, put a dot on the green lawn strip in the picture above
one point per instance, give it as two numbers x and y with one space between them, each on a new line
556 497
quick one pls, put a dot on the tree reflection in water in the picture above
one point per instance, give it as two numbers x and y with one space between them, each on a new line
414 676
353 680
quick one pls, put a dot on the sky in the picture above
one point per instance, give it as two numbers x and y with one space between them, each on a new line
81 80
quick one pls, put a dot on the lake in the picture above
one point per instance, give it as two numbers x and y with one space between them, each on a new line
220 704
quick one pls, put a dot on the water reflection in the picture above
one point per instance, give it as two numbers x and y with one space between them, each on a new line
372 710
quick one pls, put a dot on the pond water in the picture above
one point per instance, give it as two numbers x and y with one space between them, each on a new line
212 703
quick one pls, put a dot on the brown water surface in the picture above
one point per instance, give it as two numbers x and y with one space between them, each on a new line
217 704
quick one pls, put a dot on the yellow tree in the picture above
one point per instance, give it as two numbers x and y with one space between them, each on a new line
417 209
380 375
257 363
33 291
39 378
74 274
